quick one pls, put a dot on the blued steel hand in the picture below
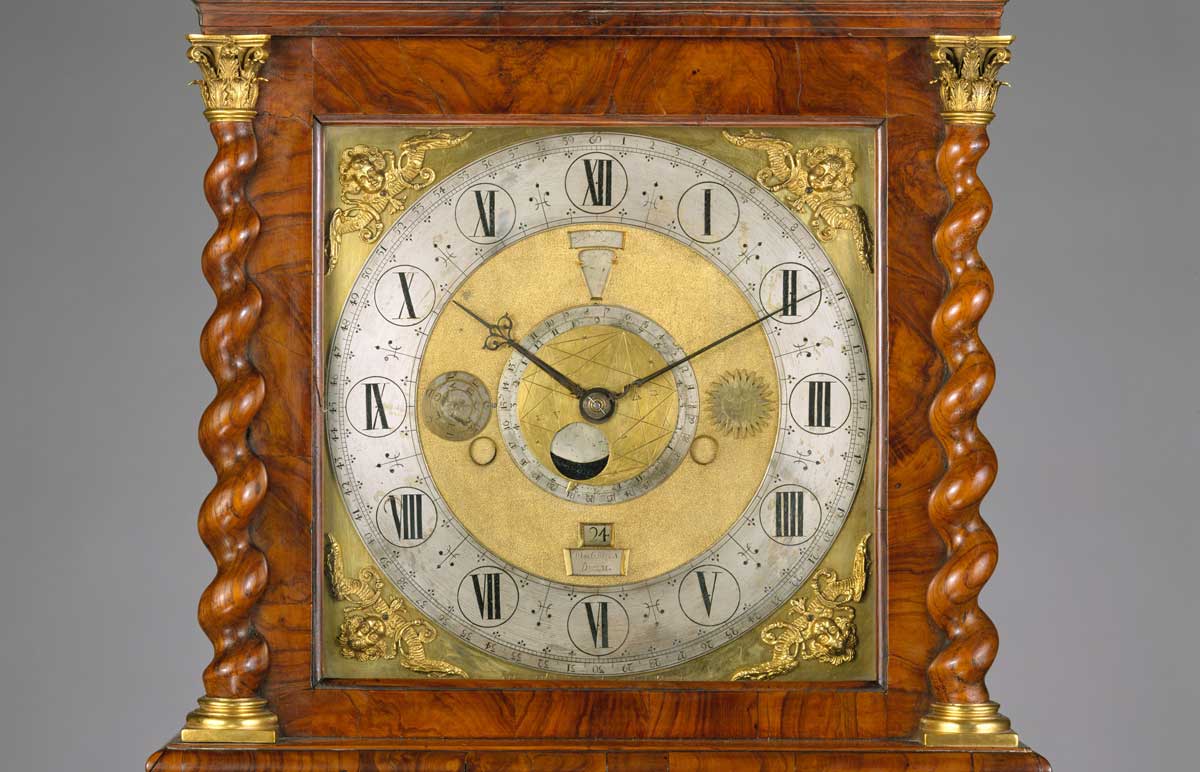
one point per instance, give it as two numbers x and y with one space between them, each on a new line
500 334
671 366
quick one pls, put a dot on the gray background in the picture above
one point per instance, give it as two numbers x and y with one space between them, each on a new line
1094 417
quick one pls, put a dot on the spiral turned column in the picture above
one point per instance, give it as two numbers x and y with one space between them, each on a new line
231 710
962 713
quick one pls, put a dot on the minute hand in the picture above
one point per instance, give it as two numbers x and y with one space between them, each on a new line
669 367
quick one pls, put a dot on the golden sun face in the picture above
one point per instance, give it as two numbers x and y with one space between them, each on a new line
739 403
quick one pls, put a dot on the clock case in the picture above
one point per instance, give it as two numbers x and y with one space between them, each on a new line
617 63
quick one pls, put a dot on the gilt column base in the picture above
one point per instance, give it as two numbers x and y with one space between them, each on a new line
967 725
230 720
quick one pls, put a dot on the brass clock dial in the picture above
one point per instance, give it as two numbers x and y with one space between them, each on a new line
598 403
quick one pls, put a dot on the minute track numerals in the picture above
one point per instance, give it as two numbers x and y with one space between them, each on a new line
577 181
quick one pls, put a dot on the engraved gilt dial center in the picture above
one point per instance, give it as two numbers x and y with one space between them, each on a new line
624 447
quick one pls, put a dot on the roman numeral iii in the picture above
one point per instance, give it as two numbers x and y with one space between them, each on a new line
820 395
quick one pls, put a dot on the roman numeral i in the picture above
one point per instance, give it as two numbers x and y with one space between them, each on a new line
790 295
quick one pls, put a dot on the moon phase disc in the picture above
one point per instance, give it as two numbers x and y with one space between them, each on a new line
456 406
579 451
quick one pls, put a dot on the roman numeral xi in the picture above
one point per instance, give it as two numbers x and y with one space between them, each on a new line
485 203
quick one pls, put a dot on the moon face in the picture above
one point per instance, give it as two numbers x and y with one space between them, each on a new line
579 451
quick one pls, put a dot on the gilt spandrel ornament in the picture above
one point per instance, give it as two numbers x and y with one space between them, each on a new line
376 184
375 627
815 180
820 627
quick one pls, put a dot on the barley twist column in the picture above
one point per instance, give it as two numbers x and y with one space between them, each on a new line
231 710
962 713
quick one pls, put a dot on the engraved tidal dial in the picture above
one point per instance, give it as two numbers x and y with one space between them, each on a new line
598 404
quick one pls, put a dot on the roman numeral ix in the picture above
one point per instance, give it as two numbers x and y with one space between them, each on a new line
376 416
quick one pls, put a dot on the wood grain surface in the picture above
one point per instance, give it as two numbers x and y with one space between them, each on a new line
596 18
957 673
593 757
239 653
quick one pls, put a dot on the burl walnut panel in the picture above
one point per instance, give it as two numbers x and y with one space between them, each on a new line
596 18
623 757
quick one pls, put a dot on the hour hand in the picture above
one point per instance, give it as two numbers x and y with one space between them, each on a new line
500 334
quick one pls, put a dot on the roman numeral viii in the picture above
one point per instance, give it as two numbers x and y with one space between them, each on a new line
406 514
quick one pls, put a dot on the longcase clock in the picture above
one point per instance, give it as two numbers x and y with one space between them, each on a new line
596 387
